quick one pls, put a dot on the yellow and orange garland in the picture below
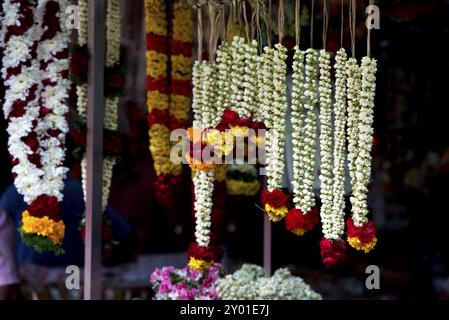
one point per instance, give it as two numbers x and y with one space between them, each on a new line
169 28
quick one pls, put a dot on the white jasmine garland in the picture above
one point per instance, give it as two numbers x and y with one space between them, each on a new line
307 153
297 119
224 63
250 77
82 22
197 78
337 213
237 78
276 114
210 118
364 137
203 182
326 177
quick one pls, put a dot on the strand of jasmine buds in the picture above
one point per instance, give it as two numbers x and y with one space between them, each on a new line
365 138
325 90
354 86
338 205
277 136
257 112
250 77
208 90
238 68
203 182
223 72
307 201
297 120
197 78
81 90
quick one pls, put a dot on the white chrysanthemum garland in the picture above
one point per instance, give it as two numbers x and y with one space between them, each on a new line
361 232
274 109
35 104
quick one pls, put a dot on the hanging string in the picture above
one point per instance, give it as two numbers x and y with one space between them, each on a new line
368 38
256 31
222 22
342 24
352 21
212 32
281 20
298 21
199 31
245 18
325 23
311 23
231 19
268 23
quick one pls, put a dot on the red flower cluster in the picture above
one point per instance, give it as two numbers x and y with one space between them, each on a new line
365 233
231 119
51 20
79 64
157 116
211 253
276 198
333 252
45 206
164 189
157 43
181 48
299 223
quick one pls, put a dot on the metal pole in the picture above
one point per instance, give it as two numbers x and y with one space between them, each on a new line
94 150
267 245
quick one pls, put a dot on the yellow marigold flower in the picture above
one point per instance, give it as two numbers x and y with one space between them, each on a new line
45 227
199 264
244 188
156 100
156 25
156 64
180 106
357 244
155 8
176 169
181 67
276 214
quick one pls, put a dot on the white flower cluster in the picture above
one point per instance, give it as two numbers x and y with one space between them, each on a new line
209 115
265 87
54 98
364 123
31 181
250 77
203 182
278 110
82 22
237 102
354 86
297 119
113 32
17 50
326 179
251 283
305 153
224 66
197 79
337 224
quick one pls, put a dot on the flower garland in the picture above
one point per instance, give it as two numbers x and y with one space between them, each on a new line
361 232
274 117
35 70
297 221
114 88
304 216
333 246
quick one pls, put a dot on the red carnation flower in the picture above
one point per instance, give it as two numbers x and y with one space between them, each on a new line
242 122
31 141
333 252
18 109
275 198
45 206
35 159
299 223
229 117
209 254
364 233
